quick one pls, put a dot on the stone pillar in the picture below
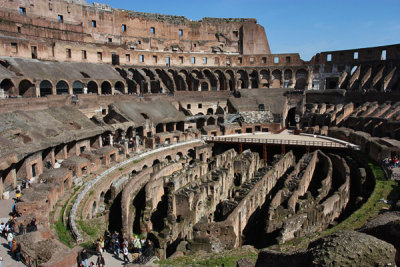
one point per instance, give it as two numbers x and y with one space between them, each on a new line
53 157
164 127
37 90
85 89
111 137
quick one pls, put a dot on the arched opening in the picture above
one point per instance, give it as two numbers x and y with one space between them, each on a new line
160 128
26 89
62 88
204 86
264 78
168 158
155 162
180 126
222 80
179 155
231 80
192 153
212 79
139 204
157 217
8 88
301 79
243 79
291 118
144 167
93 88
254 79
210 111
45 88
115 215
276 79
120 87
211 121
287 78
106 88
200 123
77 88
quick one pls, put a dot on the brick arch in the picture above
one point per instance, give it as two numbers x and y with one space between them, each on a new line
8 85
46 87
26 87
76 89
62 87
221 80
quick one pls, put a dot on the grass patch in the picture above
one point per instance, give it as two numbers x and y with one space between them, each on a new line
63 232
228 258
90 228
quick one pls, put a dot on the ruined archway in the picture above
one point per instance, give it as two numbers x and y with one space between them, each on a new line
46 88
254 79
26 88
301 79
204 86
93 88
120 87
243 79
106 88
62 88
8 88
77 88
276 79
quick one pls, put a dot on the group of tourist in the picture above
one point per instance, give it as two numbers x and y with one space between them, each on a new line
135 249
7 231
391 162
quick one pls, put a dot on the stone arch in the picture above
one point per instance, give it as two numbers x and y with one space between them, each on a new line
168 158
120 87
166 80
8 87
231 80
155 162
160 128
287 77
106 88
210 111
62 88
92 88
179 155
264 78
77 88
276 79
222 80
140 80
243 79
191 153
212 79
211 121
45 88
26 88
205 86
301 79
254 79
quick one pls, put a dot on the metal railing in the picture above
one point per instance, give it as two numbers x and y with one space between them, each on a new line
273 141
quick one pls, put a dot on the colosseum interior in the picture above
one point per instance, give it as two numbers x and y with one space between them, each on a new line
194 135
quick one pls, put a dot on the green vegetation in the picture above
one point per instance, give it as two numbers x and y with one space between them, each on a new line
63 233
228 258
90 228
371 208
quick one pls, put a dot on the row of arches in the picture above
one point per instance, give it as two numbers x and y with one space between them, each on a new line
149 80
27 88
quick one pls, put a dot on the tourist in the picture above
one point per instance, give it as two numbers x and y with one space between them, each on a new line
148 249
125 251
10 238
102 243
137 245
18 194
100 260
84 258
117 247
1 261
91 264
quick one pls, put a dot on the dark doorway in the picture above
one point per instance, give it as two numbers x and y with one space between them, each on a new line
139 202
115 215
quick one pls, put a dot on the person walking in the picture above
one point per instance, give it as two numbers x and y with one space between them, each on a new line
100 260
10 238
84 258
125 251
